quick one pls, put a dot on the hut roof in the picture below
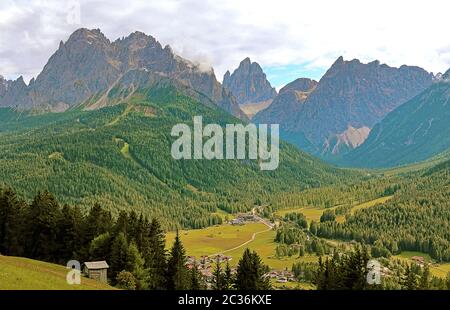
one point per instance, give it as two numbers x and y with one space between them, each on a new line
96 265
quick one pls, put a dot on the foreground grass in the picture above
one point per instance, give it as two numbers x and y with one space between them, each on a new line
17 273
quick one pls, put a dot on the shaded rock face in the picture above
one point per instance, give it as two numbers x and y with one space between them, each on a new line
290 101
349 94
415 131
88 65
248 83
355 94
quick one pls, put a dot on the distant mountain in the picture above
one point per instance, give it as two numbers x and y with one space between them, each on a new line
350 94
413 132
249 84
85 67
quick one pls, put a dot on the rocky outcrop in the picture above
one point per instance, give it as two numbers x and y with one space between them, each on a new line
345 141
249 84
89 64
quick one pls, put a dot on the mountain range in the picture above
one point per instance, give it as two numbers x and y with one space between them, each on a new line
88 65
356 112
345 104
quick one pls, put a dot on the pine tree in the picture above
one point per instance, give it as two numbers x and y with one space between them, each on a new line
177 273
41 223
155 257
69 228
11 214
119 255
100 248
218 276
250 273
197 281
410 279
135 265
227 277
425 278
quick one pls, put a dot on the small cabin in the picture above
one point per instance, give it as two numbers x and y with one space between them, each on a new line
97 271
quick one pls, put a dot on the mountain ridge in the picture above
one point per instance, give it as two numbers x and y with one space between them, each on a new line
88 63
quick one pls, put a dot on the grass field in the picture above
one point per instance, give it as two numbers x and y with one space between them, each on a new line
17 273
438 270
220 238
314 213
369 204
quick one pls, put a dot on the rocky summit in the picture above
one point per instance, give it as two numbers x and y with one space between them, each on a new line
88 65
249 84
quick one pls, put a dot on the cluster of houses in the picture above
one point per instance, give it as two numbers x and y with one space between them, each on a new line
242 219
205 265
419 260
281 276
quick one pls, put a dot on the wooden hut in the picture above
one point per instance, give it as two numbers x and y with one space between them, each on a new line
97 271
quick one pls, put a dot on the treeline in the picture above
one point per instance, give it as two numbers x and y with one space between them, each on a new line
295 239
354 270
133 246
417 218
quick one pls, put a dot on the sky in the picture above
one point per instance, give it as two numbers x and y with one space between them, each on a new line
289 39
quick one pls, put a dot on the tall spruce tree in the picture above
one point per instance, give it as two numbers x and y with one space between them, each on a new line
177 273
250 273
119 255
41 223
155 256
218 276
11 215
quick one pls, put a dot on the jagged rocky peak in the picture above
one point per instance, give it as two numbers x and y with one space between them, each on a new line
88 64
249 83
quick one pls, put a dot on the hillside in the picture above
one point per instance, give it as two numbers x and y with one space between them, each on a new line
120 157
413 132
17 273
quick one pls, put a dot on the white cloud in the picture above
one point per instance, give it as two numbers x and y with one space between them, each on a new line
221 33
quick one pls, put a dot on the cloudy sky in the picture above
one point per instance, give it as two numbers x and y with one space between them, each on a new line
289 39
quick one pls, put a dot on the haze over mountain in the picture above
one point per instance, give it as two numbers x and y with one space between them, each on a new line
413 132
351 95
89 64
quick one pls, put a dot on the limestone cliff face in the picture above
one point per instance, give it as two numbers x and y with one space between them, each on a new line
349 94
86 66
248 83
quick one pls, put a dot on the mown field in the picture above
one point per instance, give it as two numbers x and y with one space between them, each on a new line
439 270
17 273
314 213
222 238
